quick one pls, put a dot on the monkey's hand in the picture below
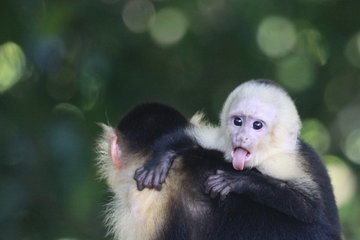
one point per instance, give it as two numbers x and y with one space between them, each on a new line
222 183
154 172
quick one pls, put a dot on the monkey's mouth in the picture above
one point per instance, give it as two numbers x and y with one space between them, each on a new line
239 156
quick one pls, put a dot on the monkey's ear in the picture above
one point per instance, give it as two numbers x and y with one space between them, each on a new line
116 152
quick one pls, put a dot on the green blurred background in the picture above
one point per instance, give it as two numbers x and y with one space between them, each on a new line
66 65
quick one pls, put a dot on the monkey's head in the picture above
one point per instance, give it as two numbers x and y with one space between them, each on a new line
259 119
128 145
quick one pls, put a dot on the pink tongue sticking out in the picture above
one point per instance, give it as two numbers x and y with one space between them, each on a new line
239 158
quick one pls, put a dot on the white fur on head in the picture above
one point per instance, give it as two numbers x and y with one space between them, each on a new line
276 155
206 134
287 125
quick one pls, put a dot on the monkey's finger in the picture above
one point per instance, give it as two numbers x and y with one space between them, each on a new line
215 180
216 189
208 186
158 187
224 193
211 184
138 172
156 181
220 186
213 193
141 176
139 185
214 177
163 176
149 180
140 180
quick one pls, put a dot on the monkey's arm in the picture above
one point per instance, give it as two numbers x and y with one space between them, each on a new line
155 170
283 196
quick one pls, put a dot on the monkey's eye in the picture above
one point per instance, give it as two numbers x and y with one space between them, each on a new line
238 121
257 125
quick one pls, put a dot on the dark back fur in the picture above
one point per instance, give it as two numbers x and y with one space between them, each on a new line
238 217
318 171
148 122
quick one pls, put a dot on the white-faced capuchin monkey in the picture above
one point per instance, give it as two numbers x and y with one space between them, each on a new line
276 187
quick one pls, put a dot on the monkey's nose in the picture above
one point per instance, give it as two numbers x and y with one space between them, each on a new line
244 139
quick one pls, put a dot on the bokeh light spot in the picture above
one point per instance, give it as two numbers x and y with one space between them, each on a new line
69 110
90 88
342 178
316 134
276 36
352 146
358 42
296 72
12 65
137 14
348 119
168 26
352 50
314 43
49 52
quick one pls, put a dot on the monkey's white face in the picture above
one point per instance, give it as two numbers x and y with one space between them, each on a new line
249 123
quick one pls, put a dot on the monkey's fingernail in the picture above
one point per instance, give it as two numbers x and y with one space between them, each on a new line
140 187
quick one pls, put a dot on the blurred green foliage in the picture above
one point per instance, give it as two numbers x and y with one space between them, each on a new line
65 65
